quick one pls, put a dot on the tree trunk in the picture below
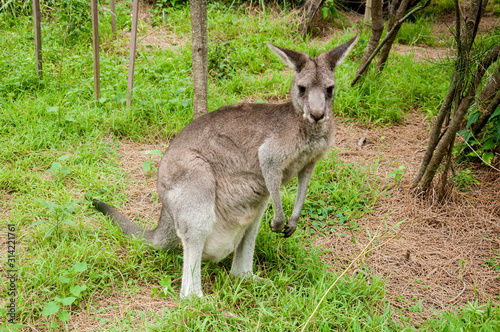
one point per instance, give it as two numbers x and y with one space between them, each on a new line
444 112
384 53
377 29
462 93
310 9
95 47
362 68
133 46
198 10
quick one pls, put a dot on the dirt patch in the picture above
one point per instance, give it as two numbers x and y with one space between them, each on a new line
149 37
438 259
446 24
135 307
421 53
142 206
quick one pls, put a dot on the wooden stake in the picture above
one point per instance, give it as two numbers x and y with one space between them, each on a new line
95 45
38 37
133 39
368 12
198 13
113 18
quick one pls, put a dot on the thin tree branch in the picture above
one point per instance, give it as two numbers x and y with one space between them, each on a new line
389 35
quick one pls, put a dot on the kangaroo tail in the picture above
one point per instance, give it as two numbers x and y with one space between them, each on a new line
162 237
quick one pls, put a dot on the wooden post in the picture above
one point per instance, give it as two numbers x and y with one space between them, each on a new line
113 18
133 40
95 45
198 12
38 37
368 12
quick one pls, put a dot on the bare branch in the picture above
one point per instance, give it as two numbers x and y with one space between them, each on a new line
389 35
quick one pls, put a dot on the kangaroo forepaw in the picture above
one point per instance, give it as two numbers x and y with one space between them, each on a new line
277 225
289 230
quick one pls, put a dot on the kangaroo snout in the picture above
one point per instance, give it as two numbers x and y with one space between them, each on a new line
316 117
315 109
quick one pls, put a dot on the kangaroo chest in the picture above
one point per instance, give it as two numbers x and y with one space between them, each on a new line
307 154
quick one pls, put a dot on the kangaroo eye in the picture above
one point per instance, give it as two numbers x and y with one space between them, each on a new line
329 90
302 89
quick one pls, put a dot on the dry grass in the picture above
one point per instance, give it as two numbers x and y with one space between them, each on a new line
142 190
438 256
104 312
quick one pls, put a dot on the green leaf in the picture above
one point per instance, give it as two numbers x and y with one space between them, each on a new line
66 156
64 171
496 113
166 282
80 267
488 157
64 280
68 300
56 166
49 205
472 118
397 172
324 12
77 290
68 222
334 12
50 309
146 166
155 152
490 144
398 223
53 109
49 232
64 316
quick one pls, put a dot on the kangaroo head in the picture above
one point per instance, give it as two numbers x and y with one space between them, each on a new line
313 84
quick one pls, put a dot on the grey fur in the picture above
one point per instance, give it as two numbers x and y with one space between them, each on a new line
218 174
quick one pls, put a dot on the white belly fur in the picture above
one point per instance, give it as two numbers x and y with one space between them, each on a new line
222 241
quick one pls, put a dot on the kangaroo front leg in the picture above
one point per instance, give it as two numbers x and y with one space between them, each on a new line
303 177
273 176
278 222
273 182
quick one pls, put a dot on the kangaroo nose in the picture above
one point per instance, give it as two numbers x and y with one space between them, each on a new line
317 117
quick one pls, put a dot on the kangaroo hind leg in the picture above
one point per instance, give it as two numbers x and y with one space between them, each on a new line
191 204
244 252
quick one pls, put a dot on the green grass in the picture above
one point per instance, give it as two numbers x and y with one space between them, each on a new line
54 124
418 32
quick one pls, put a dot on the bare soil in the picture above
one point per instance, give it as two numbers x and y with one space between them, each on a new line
438 254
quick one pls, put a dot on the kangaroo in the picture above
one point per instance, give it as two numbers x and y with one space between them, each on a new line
218 174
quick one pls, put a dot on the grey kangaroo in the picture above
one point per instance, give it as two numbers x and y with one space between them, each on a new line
218 174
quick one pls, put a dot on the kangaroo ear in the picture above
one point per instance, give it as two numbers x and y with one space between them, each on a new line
294 60
336 56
